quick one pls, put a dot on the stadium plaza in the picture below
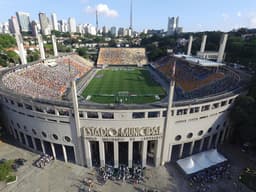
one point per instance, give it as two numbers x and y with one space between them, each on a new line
48 115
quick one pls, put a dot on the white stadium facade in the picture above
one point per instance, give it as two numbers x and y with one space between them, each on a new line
43 111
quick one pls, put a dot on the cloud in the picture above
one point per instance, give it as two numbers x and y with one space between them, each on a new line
239 14
102 9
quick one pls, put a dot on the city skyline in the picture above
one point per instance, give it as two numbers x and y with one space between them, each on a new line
199 16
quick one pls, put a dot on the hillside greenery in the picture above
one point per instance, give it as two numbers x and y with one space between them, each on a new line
7 57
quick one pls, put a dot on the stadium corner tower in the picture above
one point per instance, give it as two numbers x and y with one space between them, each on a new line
121 111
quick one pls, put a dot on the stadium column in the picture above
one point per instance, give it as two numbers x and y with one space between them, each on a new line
26 140
19 137
79 151
116 154
41 46
203 43
167 130
53 151
201 145
102 153
158 152
223 135
191 148
144 153
19 42
210 142
217 139
181 150
88 156
64 153
130 157
42 145
14 133
34 143
222 47
190 45
54 45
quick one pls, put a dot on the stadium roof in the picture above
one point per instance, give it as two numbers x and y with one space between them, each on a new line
201 161
199 61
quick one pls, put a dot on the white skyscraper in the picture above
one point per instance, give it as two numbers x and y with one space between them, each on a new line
90 29
54 22
72 25
24 21
44 22
80 29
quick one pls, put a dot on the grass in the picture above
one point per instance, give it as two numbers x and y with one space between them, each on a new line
123 85
6 170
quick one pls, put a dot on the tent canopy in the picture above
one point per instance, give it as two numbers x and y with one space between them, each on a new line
200 161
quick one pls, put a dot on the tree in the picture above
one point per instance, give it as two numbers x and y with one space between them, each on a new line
32 55
82 52
7 41
243 119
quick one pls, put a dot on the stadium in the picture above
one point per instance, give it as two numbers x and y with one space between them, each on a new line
123 111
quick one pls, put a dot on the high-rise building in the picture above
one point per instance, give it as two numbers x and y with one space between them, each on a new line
24 21
14 25
104 30
44 22
63 26
80 29
121 31
173 26
72 25
113 31
5 28
90 29
54 22
34 28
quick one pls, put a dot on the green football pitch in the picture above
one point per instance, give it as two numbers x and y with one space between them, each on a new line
123 85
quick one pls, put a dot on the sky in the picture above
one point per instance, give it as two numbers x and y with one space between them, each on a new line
195 15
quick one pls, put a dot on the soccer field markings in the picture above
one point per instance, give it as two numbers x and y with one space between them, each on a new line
139 85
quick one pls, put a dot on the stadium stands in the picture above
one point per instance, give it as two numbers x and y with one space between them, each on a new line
196 81
43 80
122 56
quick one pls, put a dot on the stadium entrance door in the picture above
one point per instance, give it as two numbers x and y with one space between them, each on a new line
109 153
123 153
151 152
137 153
95 153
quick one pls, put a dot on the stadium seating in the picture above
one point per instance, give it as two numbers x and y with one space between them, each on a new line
195 81
122 56
47 81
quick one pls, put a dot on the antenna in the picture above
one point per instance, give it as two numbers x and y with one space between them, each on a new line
97 23
130 14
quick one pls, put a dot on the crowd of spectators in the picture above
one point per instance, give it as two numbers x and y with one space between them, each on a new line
196 81
42 80
122 56
203 180
217 86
